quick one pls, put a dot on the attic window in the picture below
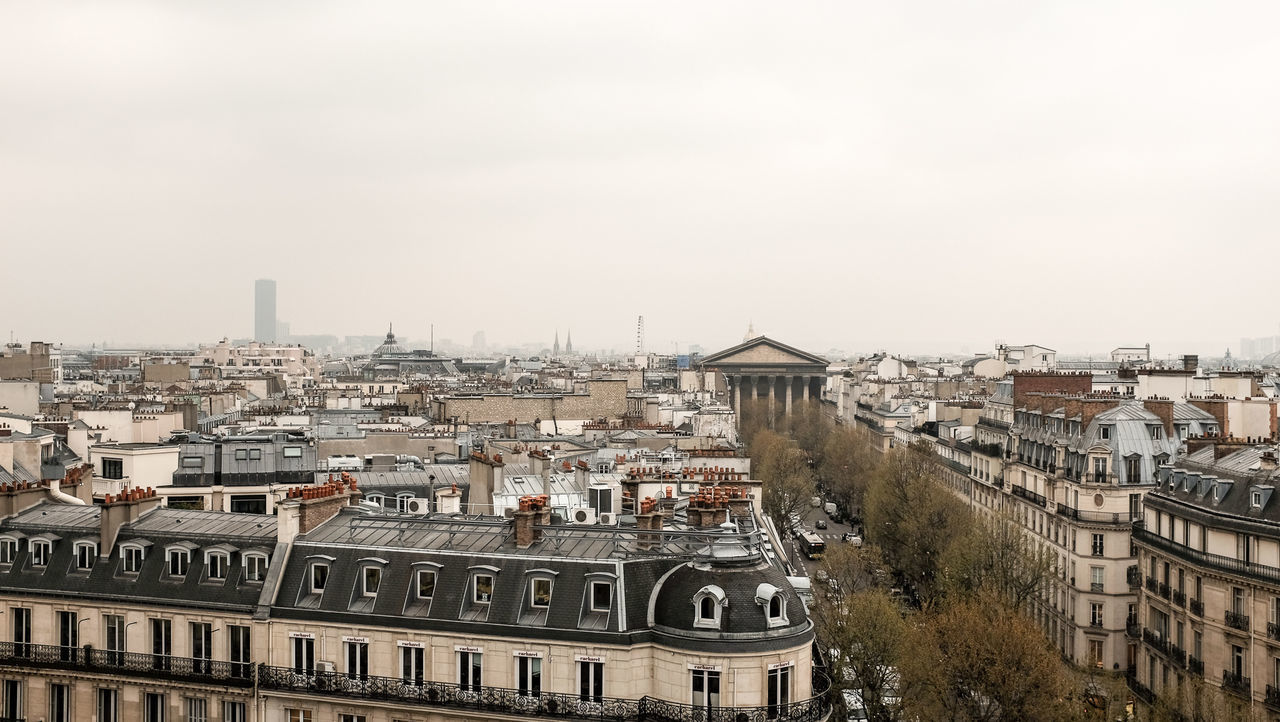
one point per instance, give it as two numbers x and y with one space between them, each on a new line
601 596
40 552
86 552
255 566
774 604
179 560
216 564
540 592
371 579
132 556
192 462
1104 432
1156 432
1255 499
319 577
8 550
482 588
707 604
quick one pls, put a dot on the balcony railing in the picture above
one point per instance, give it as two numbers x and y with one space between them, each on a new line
1179 598
1273 630
1094 517
1155 641
1133 630
1233 682
1133 576
1272 699
1213 561
88 659
1028 494
1140 690
1178 655
1195 666
1152 585
1197 607
1095 587
1236 620
541 704
1164 590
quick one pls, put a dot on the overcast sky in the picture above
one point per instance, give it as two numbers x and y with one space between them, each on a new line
911 176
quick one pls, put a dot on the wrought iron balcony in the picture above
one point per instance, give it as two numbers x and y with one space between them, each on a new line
88 659
1178 655
1140 690
1179 598
1236 620
1152 585
1155 641
1028 494
1216 562
541 704
1197 607
1233 682
1273 630
1164 590
1272 699
1095 587
1133 576
1195 665
1133 630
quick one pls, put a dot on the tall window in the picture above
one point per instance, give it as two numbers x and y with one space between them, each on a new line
1095 652
59 703
1237 660
469 669
108 705
113 626
234 712
216 564
241 652
179 560
161 643
197 709
1095 614
1097 544
201 647
12 709
68 634
529 676
357 660
39 553
1096 575
21 631
412 661
304 655
779 691
591 681
705 688
153 707
297 715
1237 600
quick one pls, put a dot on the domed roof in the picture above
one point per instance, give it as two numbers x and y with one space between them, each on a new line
389 346
674 601
1272 359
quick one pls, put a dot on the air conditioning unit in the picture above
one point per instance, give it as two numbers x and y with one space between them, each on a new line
324 667
418 506
582 515
608 518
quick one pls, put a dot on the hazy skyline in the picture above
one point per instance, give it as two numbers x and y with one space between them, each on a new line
921 177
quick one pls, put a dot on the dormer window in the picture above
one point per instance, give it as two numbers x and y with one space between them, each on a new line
540 592
425 584
8 549
1255 499
255 566
40 549
370 580
216 564
376 499
1156 432
179 560
774 603
481 588
86 552
1104 432
402 502
601 596
707 605
319 576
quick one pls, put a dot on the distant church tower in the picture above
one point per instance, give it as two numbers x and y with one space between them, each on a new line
568 343
751 332
555 350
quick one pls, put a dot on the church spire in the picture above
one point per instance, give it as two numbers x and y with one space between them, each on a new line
568 342
555 350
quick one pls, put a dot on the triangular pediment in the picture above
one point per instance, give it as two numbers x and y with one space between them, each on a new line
763 351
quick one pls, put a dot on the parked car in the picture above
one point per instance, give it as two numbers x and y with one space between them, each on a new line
820 524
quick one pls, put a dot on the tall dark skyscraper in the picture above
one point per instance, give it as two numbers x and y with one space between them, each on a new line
264 310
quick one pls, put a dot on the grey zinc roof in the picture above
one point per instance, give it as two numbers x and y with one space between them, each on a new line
1183 411
51 515
204 524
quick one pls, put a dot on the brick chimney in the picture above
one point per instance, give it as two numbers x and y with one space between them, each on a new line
1162 408
533 511
119 510
1218 409
449 501
649 519
307 507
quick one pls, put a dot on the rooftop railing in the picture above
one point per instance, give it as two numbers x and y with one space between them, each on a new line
1206 559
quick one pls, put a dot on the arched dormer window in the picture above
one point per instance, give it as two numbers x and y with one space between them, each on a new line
375 499
707 604
132 554
402 501
9 547
774 604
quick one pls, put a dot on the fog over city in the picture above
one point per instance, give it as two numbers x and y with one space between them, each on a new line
921 177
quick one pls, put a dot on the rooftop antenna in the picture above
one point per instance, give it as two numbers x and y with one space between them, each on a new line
640 334
433 339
